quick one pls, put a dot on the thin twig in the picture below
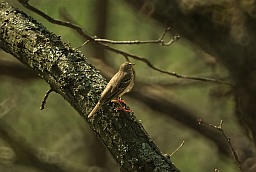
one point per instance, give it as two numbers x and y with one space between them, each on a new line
126 55
145 60
178 148
45 98
219 128
86 42
129 42
158 41
175 38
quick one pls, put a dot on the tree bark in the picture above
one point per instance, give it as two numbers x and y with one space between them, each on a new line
69 74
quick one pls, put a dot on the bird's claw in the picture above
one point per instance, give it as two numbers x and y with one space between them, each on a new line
122 104
119 101
123 109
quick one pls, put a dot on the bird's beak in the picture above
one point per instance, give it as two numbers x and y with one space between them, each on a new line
131 63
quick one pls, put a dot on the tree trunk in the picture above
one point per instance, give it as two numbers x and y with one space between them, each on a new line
70 74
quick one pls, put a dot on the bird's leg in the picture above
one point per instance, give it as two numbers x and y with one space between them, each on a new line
123 108
121 102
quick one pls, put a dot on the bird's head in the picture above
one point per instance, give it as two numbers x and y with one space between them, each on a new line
126 66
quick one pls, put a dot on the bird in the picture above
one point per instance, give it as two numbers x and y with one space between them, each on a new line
121 83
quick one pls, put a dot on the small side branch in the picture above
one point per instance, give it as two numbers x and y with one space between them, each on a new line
219 128
158 41
45 98
178 148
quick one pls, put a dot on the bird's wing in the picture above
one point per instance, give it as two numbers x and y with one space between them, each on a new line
95 109
115 87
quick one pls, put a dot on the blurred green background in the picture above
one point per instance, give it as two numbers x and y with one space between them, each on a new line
58 135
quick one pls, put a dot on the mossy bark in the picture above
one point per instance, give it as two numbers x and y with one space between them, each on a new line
69 73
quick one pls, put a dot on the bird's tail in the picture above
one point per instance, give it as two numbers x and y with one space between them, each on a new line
95 109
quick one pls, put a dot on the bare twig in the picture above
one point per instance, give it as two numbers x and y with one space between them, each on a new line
86 42
178 148
158 41
126 55
145 60
219 128
45 98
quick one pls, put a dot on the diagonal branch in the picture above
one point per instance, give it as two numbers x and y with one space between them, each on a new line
69 74
125 54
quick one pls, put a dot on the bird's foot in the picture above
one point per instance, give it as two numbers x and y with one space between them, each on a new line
123 109
119 101
122 104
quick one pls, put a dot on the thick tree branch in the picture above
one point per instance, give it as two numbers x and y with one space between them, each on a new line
69 73
159 103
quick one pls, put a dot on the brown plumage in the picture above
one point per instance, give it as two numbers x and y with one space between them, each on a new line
121 83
